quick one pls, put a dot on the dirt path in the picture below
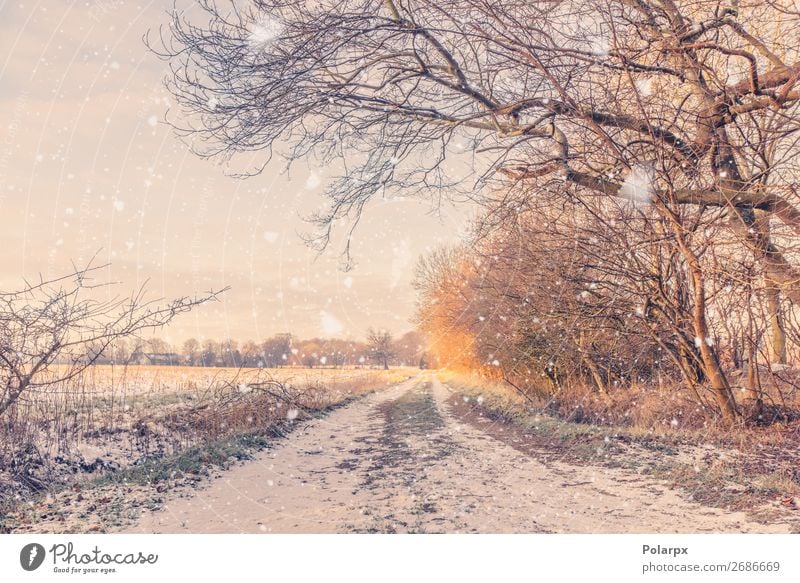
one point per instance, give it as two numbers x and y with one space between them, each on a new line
398 461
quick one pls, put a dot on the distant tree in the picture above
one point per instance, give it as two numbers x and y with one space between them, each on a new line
210 353
119 351
441 296
157 345
338 359
310 352
381 346
191 352
251 354
410 348
229 351
277 351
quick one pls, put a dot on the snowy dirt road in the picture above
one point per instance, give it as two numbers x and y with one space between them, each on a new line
401 461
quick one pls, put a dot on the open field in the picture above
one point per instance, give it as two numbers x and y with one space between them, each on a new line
146 423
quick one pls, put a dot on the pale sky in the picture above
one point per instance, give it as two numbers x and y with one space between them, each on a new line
86 165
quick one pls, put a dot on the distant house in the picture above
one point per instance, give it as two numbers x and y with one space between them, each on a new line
156 358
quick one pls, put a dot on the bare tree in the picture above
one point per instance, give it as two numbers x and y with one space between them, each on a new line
51 331
676 104
231 356
411 349
157 345
276 351
211 352
251 355
119 351
191 352
381 346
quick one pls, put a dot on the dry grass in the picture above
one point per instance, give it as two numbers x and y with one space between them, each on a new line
665 409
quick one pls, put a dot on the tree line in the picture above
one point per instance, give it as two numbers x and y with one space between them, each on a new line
281 350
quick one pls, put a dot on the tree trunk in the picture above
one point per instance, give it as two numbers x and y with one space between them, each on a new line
711 367
776 327
594 371
552 375
773 296
753 382
597 377
719 384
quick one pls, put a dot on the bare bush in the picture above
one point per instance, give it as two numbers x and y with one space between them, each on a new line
52 330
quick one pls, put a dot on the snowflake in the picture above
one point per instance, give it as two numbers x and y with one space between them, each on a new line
330 325
264 32
638 185
313 181
645 86
600 45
